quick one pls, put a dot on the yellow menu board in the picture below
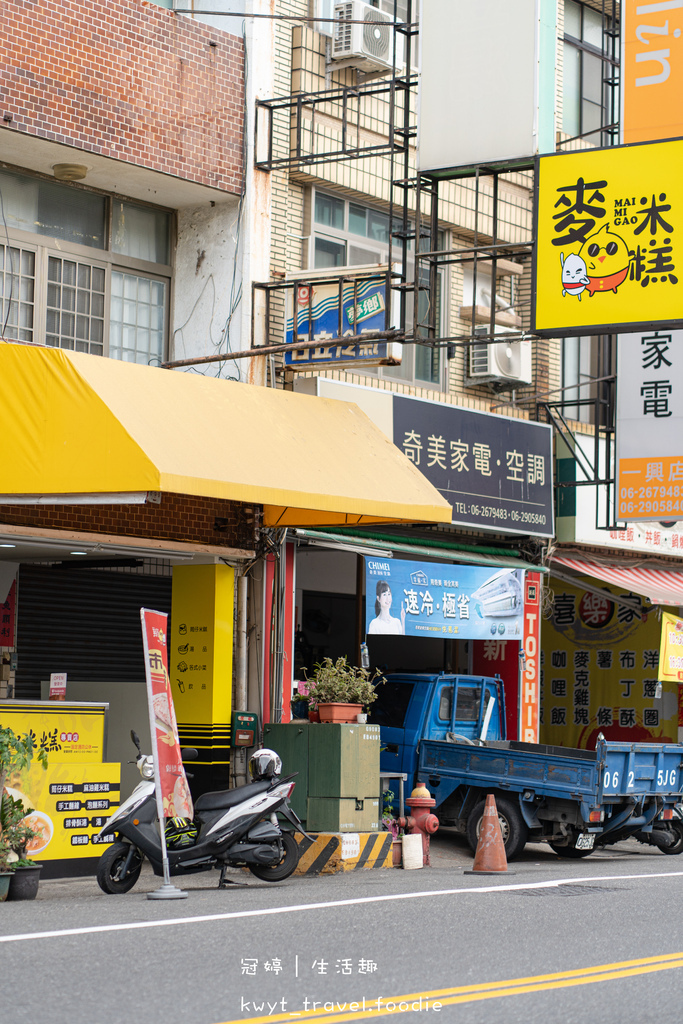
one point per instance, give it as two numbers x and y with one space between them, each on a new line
71 799
70 804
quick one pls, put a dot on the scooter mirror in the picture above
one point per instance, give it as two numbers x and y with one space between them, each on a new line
189 754
136 739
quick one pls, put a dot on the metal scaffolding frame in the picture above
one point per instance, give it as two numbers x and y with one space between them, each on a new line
421 225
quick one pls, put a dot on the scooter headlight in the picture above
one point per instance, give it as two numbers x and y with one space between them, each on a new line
147 768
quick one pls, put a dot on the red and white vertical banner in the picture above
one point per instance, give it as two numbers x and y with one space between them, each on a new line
172 790
530 664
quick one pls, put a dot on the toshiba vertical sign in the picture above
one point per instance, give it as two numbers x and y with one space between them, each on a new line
530 664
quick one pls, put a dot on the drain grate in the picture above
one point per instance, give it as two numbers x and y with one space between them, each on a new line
573 890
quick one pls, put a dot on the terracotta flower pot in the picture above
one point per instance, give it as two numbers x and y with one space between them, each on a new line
344 713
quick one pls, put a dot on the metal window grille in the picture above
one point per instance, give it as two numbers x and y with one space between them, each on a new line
75 306
17 287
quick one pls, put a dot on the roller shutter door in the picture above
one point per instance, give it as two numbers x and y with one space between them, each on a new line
82 622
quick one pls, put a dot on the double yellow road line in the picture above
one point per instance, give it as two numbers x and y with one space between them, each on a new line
338 1012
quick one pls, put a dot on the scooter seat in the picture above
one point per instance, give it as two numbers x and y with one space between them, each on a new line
229 797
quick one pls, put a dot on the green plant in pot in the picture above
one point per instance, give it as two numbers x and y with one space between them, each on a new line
340 691
16 835
16 754
5 869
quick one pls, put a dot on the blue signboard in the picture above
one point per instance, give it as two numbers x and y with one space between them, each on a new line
495 471
431 599
363 311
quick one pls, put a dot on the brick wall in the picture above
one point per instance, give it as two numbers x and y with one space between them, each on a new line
126 80
179 518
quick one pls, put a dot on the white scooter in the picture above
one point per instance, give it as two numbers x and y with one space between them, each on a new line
230 828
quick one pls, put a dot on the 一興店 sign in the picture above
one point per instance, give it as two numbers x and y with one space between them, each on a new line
495 471
432 599
650 426
609 226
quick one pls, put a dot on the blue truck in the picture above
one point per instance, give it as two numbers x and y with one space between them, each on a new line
448 732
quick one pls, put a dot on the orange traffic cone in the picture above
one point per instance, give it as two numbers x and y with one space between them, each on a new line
490 857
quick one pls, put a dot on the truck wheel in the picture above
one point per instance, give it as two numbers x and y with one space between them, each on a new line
677 846
512 826
569 852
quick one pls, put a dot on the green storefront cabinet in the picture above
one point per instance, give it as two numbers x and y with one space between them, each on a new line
291 743
343 761
327 814
337 788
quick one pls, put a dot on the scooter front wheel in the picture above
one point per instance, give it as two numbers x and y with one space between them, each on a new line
286 866
111 865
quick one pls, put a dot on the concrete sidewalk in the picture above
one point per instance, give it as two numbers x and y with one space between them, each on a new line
450 853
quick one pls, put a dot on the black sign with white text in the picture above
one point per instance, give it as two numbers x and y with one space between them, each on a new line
496 472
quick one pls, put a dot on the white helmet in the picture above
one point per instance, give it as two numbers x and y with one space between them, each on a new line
263 764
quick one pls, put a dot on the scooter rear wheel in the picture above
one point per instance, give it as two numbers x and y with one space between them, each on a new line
111 864
286 866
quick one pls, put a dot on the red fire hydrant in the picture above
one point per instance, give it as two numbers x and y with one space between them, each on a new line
421 820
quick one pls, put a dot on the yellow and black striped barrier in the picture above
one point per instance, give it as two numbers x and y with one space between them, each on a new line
332 852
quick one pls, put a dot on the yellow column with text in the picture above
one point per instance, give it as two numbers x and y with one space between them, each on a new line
200 667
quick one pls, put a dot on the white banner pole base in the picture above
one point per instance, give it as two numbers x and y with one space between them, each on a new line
167 892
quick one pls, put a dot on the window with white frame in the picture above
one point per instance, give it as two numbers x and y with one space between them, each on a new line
83 271
584 98
346 233
584 360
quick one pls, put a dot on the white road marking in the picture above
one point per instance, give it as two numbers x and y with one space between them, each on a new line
327 905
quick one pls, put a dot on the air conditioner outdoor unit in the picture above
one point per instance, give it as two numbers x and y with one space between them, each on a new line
370 45
502 362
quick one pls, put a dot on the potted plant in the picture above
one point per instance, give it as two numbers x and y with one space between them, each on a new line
392 824
5 873
340 691
16 754
17 834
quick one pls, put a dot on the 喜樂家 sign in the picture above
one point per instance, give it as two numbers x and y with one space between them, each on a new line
607 240
495 471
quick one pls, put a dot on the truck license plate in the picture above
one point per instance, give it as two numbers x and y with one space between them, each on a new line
585 841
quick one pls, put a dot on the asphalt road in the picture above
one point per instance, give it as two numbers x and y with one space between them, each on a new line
597 939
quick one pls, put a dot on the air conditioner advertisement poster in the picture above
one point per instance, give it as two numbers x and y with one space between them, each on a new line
430 599
363 311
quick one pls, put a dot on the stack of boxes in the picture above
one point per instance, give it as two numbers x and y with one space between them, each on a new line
6 675
337 789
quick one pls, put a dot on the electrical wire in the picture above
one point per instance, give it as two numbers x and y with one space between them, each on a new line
11 273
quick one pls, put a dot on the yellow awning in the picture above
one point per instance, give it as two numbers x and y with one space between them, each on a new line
74 424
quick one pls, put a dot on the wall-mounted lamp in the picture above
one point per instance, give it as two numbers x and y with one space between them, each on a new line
69 172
